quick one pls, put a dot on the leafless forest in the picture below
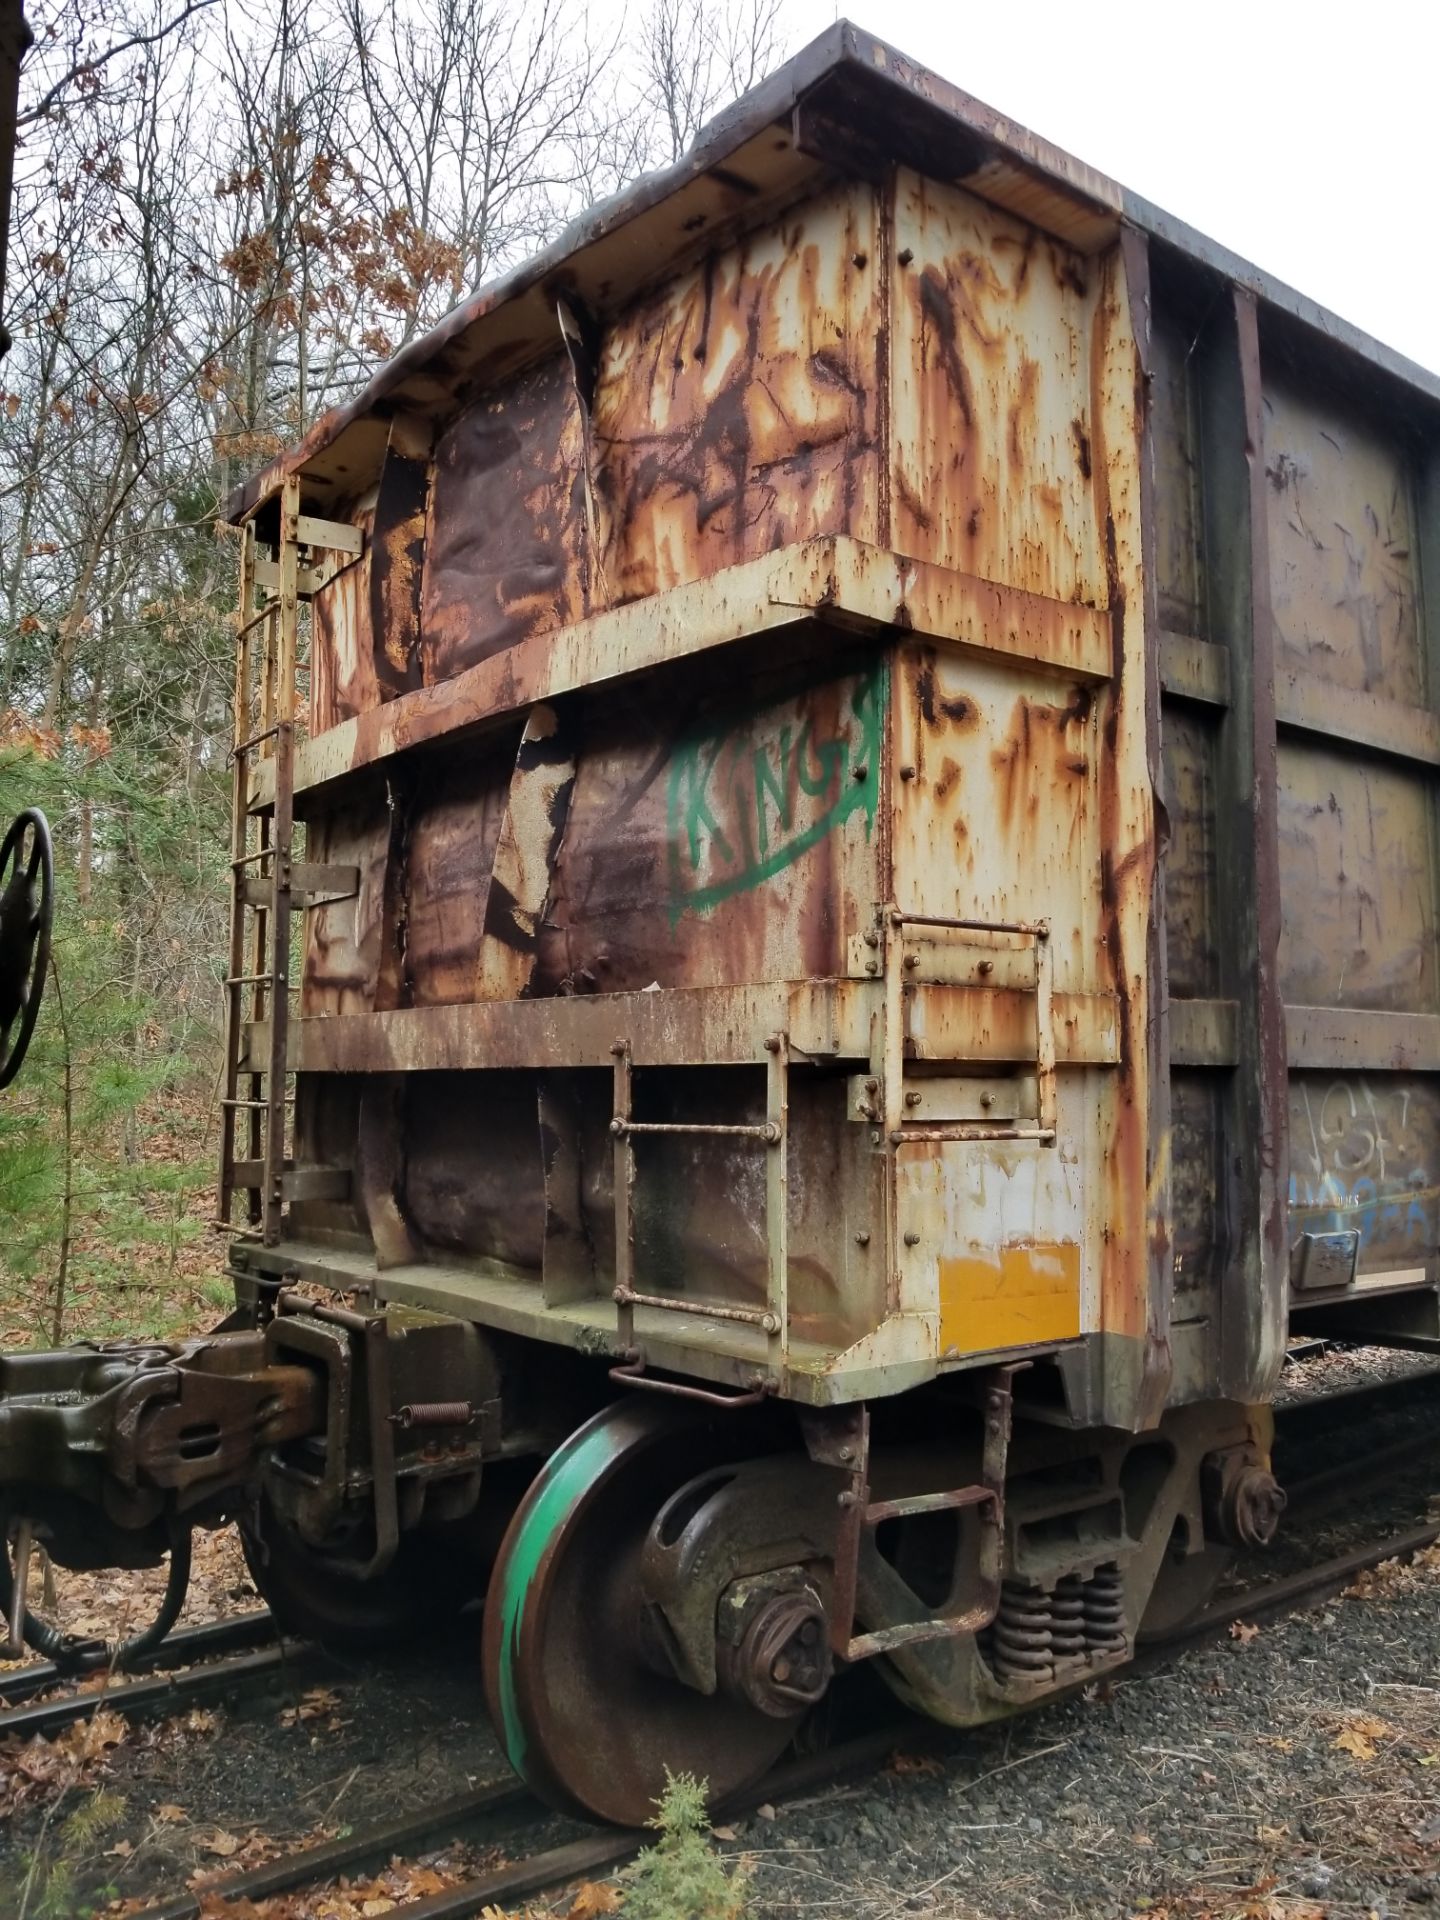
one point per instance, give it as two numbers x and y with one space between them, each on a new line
225 216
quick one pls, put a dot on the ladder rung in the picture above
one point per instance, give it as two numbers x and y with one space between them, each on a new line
296 1183
261 1106
255 619
249 859
270 575
255 740
767 1130
337 535
311 885
251 980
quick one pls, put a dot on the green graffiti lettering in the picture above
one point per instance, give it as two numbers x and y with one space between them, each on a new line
777 785
779 794
689 797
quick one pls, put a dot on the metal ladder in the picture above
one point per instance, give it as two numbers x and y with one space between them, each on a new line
773 1318
266 885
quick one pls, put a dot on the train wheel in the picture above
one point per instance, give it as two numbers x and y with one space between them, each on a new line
586 1720
432 1576
1184 1588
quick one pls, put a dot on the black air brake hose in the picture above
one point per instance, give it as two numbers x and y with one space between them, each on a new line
63 1648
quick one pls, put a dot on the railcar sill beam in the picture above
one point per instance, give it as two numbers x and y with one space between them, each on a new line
826 1019
843 582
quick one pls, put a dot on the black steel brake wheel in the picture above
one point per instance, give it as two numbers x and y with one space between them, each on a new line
27 906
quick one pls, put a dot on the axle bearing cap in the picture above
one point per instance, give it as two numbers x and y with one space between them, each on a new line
776 1653
1254 1502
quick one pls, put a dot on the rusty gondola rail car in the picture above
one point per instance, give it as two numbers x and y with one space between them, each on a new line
833 940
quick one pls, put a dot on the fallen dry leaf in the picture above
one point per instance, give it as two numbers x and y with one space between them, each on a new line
225 1844
313 1705
422 1881
594 1897
89 1738
170 1815
1244 1632
914 1763
1358 1736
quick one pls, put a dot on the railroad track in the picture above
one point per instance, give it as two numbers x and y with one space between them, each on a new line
540 1872
178 1649
156 1694
603 1852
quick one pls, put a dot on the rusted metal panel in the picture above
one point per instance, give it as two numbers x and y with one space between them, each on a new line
743 408
505 553
1357 875
1365 1158
342 939
992 399
453 826
1342 548
1198 1134
721 839
1002 776
1192 926
1179 541
397 550
343 681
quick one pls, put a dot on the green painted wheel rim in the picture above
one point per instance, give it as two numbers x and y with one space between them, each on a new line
574 1467
583 1716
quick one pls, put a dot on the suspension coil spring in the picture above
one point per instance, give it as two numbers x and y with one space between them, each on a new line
1068 1613
1023 1631
1105 1611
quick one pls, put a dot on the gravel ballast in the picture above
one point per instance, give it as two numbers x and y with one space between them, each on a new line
1294 1771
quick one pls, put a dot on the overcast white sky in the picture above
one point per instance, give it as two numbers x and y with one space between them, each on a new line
1303 136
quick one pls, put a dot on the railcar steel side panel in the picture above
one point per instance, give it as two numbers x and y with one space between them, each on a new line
885 726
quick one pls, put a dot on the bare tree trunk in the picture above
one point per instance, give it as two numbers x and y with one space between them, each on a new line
67 1205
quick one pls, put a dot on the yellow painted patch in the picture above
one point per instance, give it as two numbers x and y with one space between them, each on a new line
1015 1297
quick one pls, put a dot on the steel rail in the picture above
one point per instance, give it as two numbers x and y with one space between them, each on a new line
1320 1582
1397 1390
158 1693
519 1879
604 1851
179 1648
357 1852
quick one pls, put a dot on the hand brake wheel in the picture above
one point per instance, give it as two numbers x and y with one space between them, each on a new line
27 904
